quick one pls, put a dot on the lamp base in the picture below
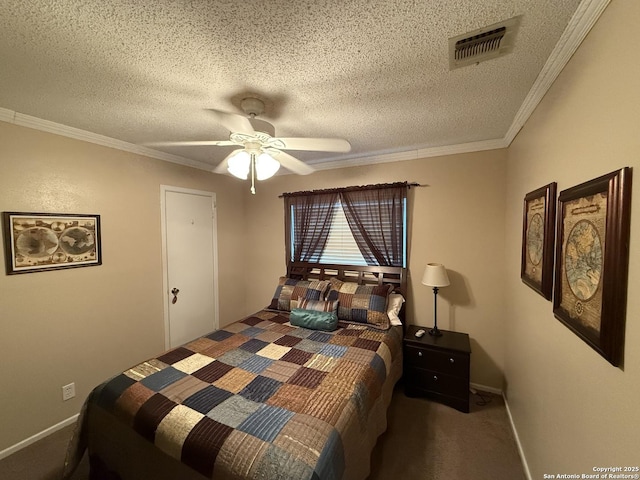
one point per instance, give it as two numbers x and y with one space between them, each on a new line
434 332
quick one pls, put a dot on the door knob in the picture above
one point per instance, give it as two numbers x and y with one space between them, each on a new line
175 292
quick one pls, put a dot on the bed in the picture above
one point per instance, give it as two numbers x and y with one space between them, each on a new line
271 396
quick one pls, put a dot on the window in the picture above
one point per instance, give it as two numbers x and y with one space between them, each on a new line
353 226
341 247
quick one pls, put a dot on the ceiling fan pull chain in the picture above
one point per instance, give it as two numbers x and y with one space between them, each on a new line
253 173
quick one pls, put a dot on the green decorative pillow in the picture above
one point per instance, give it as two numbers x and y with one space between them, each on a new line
361 303
290 290
314 320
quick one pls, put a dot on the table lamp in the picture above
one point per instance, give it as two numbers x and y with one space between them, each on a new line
435 275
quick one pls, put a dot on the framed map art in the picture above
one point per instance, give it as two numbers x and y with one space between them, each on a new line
50 241
592 261
538 227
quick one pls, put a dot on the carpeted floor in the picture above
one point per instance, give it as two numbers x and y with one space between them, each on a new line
424 441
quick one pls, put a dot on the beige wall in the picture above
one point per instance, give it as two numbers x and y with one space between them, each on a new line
574 411
84 325
456 218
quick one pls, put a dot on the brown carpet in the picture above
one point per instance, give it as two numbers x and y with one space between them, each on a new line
424 441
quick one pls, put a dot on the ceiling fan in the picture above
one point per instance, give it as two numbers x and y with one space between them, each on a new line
262 152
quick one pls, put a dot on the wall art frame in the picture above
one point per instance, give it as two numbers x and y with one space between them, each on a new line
592 261
36 242
538 237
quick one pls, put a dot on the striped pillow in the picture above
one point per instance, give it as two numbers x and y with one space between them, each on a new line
290 290
318 305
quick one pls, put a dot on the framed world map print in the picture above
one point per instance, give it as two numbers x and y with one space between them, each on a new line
538 228
46 241
592 261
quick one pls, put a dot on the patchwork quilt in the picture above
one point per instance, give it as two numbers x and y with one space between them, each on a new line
259 398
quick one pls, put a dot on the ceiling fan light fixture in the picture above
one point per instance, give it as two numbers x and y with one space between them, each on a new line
238 165
266 166
261 153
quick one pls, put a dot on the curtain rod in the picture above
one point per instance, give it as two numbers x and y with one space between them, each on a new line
351 189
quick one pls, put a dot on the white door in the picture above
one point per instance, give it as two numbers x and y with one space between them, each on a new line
190 264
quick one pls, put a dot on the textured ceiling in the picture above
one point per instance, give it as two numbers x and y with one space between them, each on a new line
375 73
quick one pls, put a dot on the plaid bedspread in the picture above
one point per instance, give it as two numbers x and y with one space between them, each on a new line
258 398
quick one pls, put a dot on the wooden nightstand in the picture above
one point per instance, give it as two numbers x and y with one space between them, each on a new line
438 367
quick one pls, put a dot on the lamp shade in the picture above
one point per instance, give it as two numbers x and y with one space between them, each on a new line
266 166
435 275
239 164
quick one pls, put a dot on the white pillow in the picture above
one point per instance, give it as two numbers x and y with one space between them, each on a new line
393 309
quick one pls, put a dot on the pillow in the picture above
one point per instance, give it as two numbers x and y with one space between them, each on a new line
393 309
289 289
318 305
313 319
361 303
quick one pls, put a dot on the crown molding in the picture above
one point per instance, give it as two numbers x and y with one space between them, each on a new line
28 121
402 156
577 29
36 123
583 19
480 146
7 115
356 161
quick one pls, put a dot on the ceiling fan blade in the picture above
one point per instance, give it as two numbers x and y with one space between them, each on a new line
233 122
291 163
195 143
222 166
312 144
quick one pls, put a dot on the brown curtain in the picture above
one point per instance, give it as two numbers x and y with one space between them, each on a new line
375 217
313 213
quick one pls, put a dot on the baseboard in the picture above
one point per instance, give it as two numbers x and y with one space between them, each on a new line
484 388
498 391
515 434
38 436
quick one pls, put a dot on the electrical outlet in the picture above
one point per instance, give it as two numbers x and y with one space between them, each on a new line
68 391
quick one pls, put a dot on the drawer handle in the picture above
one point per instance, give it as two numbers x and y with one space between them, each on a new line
419 354
451 360
435 377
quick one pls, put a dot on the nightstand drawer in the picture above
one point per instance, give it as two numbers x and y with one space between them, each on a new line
448 363
437 382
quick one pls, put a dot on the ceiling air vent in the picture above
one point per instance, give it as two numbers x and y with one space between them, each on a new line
483 44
